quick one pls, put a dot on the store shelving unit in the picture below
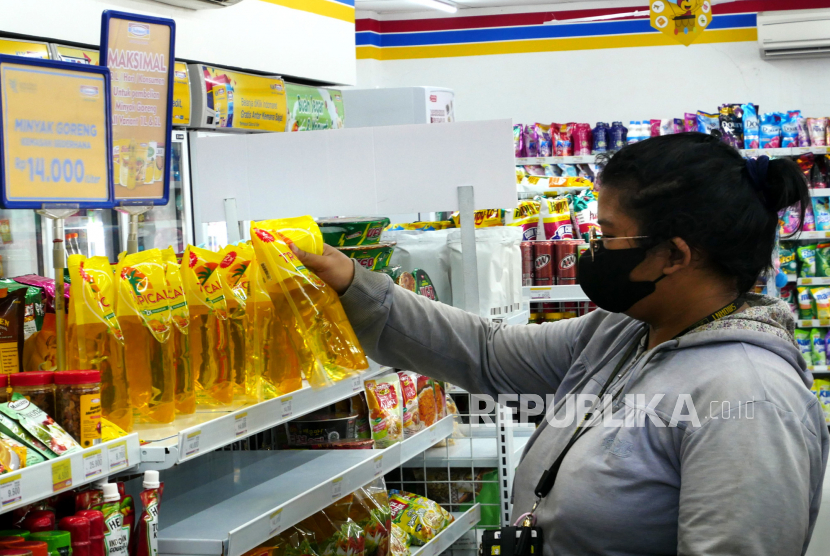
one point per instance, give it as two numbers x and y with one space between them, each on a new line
813 281
445 539
813 323
203 432
229 502
811 235
466 453
43 480
554 293
534 160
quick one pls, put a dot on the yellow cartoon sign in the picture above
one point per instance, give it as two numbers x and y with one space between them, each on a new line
683 20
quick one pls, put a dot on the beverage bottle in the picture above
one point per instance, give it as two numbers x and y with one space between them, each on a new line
179 344
144 316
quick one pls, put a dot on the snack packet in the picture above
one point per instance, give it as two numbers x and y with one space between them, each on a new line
544 140
30 449
817 348
821 301
770 130
420 517
318 324
807 258
600 136
817 129
399 542
789 129
440 400
518 141
531 142
370 511
427 406
562 135
486 218
585 213
383 396
556 219
409 396
751 126
526 216
730 119
12 312
802 338
805 303
706 123
582 139
41 426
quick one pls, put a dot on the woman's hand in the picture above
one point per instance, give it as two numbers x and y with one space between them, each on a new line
333 267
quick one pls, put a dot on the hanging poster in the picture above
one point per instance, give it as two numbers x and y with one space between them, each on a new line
181 95
138 50
86 56
682 20
310 108
27 49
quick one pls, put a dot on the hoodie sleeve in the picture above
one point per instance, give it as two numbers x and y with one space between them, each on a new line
401 329
751 482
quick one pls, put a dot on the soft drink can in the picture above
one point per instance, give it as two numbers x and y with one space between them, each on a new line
543 263
527 263
565 257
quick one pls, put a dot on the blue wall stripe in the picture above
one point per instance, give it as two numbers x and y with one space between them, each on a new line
370 38
347 2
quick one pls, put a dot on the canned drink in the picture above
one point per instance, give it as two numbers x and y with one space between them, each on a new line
565 257
543 263
527 263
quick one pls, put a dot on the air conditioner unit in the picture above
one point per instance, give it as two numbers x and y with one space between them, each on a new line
794 34
200 4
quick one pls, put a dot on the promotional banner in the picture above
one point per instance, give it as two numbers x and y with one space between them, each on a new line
310 108
181 95
234 100
27 49
87 56
139 52
682 20
55 134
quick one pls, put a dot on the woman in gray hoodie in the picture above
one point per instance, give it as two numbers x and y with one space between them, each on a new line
709 441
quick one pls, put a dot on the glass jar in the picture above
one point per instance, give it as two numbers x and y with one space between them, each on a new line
37 387
79 405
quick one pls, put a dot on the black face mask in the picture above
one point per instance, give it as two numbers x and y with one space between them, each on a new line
605 279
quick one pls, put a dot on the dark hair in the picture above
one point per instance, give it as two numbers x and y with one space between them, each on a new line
694 186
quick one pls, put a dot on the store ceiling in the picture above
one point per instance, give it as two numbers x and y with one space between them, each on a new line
399 6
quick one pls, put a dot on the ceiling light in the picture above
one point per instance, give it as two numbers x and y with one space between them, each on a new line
436 5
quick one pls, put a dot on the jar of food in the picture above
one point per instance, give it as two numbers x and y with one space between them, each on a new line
37 387
4 388
79 405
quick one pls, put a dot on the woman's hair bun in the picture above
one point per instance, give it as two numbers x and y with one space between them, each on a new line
786 184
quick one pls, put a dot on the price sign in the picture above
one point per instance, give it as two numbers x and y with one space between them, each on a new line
93 463
378 465
806 281
337 488
55 134
286 407
10 490
117 455
139 52
357 384
824 322
274 520
241 424
191 443
61 474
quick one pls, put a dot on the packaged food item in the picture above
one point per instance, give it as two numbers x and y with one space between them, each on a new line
585 213
440 399
58 542
209 329
178 345
399 542
12 309
18 455
419 517
383 396
544 140
786 257
751 126
730 119
34 311
821 213
562 136
518 141
305 301
802 338
146 537
78 529
350 232
531 142
803 132
600 138
47 288
370 511
807 258
427 405
823 260
143 312
40 425
374 257
28 448
79 405
96 531
37 387
817 130
789 129
127 510
706 123
409 398
583 139
617 136
316 428
805 303
407 281
556 219
233 268
115 535
40 349
817 347
821 302
526 216
770 130
483 218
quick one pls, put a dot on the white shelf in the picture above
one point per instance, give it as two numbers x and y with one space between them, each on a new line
814 323
792 278
454 531
812 235
535 160
819 369
518 317
813 281
238 500
793 151
467 453
193 435
824 192
37 482
554 293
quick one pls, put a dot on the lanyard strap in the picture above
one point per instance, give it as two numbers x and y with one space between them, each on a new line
545 484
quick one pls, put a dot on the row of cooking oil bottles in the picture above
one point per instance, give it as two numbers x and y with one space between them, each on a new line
239 326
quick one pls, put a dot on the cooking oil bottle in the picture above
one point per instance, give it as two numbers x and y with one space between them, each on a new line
179 343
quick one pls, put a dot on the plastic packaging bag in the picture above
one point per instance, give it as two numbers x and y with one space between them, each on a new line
752 125
807 258
543 137
805 303
525 216
556 219
233 270
789 129
409 394
383 396
301 298
420 517
802 338
370 511
817 347
771 130
179 343
428 251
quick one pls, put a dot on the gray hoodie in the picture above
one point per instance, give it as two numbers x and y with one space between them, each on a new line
745 477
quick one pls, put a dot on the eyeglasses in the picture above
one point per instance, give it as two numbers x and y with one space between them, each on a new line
596 243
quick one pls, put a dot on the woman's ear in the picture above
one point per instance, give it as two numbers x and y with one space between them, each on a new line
680 256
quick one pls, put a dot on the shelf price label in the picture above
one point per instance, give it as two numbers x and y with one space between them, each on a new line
61 474
286 407
117 455
337 488
191 443
93 463
274 521
357 384
824 322
10 490
55 135
378 461
241 424
806 281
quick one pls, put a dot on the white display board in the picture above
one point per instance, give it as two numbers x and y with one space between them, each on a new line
353 172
